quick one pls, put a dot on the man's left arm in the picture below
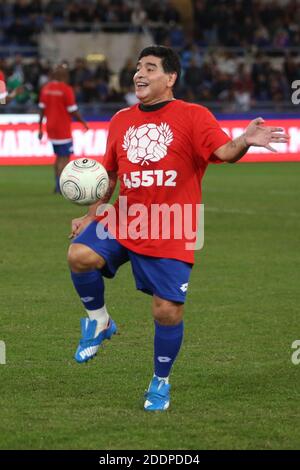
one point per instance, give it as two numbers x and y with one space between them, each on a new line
79 118
72 107
256 134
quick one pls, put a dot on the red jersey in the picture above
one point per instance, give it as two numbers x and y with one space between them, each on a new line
58 101
160 157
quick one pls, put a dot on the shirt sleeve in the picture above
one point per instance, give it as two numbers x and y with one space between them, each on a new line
208 135
70 100
110 161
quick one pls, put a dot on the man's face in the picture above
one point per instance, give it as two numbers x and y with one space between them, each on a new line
152 84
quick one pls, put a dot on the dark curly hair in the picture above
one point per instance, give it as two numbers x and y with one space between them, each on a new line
170 59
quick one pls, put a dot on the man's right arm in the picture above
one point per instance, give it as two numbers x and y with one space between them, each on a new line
112 184
80 223
40 134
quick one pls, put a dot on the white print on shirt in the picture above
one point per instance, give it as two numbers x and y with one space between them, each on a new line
147 143
147 178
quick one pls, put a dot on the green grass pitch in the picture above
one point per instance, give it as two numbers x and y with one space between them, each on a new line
233 386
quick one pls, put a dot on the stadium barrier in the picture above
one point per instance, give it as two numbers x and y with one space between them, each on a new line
19 144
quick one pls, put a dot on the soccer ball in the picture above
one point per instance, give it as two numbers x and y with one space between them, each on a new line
84 181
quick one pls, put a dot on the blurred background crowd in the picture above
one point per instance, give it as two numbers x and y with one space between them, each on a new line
236 54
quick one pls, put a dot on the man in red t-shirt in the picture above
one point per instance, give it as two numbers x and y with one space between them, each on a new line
159 151
57 104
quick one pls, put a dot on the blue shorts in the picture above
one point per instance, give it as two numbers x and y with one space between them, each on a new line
164 277
63 150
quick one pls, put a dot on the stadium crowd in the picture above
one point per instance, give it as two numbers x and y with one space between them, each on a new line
255 60
236 83
21 20
244 23
235 23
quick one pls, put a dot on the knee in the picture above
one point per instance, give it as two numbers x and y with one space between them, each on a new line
166 312
81 258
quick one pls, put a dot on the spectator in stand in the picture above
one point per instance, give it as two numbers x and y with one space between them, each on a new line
80 77
193 78
103 71
170 13
138 17
126 75
291 68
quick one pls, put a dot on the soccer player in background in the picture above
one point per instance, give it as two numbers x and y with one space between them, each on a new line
188 138
57 103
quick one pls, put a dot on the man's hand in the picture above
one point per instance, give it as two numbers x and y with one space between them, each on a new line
79 224
256 134
262 136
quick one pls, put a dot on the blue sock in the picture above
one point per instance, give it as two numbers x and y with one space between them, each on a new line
90 288
167 342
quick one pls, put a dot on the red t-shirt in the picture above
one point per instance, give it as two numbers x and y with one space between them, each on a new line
160 157
58 101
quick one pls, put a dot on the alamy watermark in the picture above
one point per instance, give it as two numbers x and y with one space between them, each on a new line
2 352
296 93
296 354
153 222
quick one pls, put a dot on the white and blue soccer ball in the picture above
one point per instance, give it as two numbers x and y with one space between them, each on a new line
84 181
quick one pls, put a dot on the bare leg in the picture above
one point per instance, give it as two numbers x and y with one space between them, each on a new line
59 165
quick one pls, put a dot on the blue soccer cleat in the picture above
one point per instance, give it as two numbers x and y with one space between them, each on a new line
88 344
157 395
